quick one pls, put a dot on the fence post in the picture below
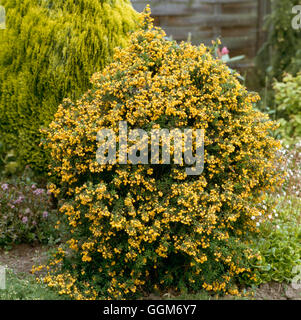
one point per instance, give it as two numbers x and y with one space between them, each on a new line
263 9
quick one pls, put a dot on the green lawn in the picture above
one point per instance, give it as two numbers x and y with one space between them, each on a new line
21 286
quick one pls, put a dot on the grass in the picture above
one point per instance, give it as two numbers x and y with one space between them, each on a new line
23 286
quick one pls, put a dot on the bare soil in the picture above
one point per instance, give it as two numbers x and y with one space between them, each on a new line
22 257
277 291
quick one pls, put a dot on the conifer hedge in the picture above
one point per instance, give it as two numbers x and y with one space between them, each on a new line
48 52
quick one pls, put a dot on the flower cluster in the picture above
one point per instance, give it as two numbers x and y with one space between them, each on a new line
291 165
25 213
138 227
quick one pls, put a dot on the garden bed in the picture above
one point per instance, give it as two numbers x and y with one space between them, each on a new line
21 258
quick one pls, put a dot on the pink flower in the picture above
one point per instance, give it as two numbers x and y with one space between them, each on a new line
45 214
38 192
19 200
4 186
225 51
24 219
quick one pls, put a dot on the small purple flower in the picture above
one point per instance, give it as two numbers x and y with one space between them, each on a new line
19 200
11 206
4 186
24 219
33 186
38 192
34 223
45 214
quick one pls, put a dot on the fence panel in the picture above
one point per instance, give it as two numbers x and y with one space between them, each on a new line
237 22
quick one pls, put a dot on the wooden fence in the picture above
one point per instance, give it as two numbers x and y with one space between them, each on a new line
238 23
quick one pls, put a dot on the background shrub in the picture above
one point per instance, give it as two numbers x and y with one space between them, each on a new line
26 213
279 238
288 106
279 55
139 228
281 52
8 162
49 50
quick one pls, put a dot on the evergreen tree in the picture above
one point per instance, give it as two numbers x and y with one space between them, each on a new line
48 52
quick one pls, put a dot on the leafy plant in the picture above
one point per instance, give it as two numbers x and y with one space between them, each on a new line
288 107
279 242
225 57
137 228
48 51
26 215
8 161
279 239
281 52
25 287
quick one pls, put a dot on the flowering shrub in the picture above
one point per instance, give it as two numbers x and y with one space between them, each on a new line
25 214
138 227
223 54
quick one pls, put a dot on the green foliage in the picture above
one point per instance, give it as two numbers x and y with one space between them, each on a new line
288 103
9 164
25 287
225 57
48 51
282 50
26 214
136 228
281 54
280 242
